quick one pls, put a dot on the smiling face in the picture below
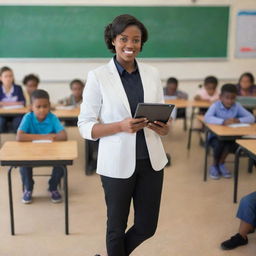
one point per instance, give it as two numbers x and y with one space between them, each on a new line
127 45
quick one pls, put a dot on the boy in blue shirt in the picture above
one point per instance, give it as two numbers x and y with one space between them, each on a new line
40 124
225 111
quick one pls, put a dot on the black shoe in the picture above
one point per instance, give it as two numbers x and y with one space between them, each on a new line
233 242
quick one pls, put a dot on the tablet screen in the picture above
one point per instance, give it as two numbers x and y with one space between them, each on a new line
154 111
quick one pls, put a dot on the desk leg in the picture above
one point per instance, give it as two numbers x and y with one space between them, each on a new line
206 154
10 200
237 156
190 128
66 199
250 165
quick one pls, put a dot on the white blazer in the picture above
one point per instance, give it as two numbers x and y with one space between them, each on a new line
105 101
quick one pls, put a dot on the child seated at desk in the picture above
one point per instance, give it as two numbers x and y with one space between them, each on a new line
171 92
208 92
41 124
30 82
247 215
246 86
226 111
75 99
10 95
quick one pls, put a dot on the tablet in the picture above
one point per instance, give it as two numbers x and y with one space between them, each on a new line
154 111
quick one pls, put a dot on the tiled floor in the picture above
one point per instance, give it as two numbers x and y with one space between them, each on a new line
195 215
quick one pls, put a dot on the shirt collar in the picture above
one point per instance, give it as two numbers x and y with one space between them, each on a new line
10 92
224 108
120 68
46 120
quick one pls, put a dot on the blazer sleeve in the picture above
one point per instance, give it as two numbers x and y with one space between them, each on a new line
90 106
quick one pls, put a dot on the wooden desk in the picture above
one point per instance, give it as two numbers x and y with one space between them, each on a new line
17 154
195 104
13 111
67 114
249 147
179 103
225 133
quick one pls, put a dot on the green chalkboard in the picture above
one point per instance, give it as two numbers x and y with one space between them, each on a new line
77 31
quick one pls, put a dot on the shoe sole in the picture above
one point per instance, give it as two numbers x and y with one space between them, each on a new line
26 202
56 201
214 177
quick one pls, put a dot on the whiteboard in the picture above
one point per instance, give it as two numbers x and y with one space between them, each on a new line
246 34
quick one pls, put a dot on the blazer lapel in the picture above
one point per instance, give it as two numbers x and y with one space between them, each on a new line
116 82
145 83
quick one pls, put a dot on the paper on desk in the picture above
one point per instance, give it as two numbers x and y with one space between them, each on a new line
238 125
42 141
13 107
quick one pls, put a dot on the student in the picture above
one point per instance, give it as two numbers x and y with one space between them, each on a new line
75 99
171 90
10 95
247 215
225 112
40 124
209 90
246 86
30 82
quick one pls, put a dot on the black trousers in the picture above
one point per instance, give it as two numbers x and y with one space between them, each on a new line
220 146
145 188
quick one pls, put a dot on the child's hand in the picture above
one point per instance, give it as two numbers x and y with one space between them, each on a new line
50 136
231 121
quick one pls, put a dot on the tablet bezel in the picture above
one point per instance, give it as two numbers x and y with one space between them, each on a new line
151 110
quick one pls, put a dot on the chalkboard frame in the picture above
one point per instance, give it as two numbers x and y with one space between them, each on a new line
223 56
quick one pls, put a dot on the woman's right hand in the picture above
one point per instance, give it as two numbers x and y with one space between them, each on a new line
132 125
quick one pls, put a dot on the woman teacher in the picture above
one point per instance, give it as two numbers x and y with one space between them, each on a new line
131 156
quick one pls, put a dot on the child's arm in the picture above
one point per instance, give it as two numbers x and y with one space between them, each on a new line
23 136
211 117
61 136
244 115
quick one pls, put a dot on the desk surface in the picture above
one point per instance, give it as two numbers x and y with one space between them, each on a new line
180 103
29 151
249 145
13 111
61 113
222 130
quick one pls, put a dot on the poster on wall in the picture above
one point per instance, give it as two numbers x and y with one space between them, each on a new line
246 34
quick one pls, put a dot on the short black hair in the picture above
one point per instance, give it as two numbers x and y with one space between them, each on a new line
118 25
40 94
248 74
3 69
31 77
211 80
172 80
76 81
230 88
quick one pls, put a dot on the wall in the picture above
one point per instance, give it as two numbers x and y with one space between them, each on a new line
56 74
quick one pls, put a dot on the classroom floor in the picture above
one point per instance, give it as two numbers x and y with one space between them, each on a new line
195 215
